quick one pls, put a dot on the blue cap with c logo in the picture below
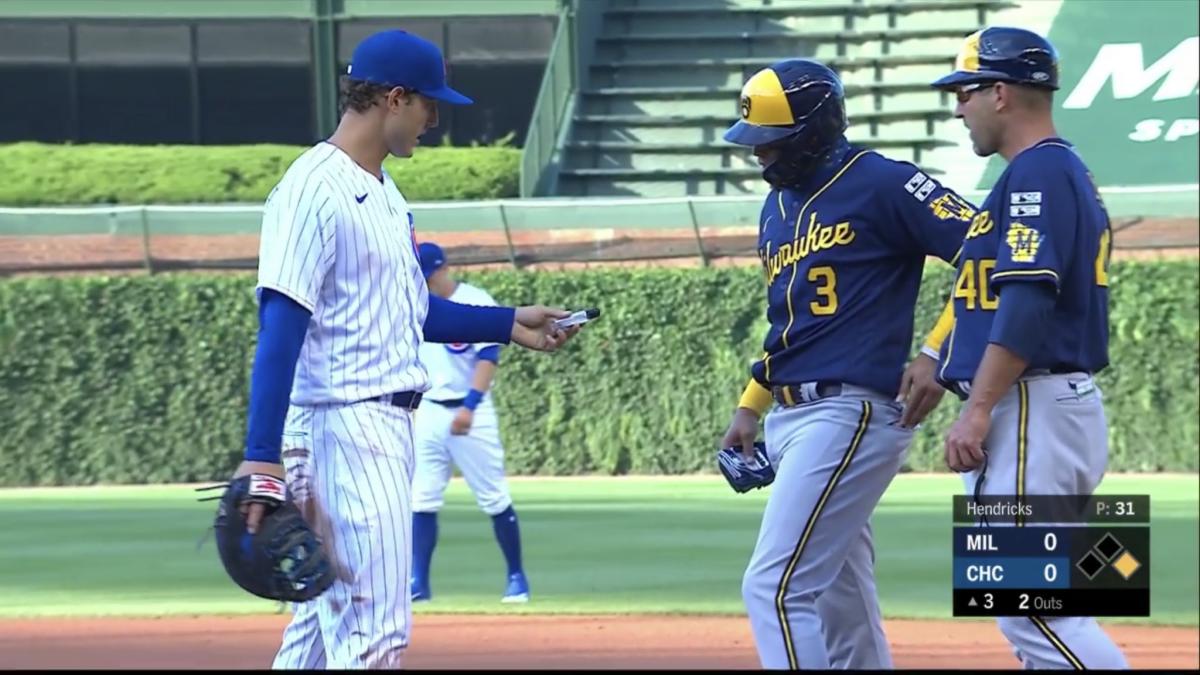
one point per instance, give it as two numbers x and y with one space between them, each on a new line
398 58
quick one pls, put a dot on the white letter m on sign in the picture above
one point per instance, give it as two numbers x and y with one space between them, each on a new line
1123 64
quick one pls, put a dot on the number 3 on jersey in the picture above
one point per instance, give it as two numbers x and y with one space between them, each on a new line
826 280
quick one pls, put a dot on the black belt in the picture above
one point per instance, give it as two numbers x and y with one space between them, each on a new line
409 400
789 394
450 403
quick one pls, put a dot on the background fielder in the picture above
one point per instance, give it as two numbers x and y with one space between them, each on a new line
461 426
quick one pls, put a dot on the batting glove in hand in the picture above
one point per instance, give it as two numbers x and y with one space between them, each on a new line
746 474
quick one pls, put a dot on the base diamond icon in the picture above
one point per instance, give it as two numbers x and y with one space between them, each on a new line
1108 546
1090 564
1126 565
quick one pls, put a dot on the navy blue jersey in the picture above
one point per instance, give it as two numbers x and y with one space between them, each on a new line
1044 222
843 260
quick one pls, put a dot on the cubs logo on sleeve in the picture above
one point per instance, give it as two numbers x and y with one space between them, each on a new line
458 347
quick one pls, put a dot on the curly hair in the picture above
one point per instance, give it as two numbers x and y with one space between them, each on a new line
358 95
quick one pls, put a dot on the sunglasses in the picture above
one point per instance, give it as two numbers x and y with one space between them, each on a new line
964 93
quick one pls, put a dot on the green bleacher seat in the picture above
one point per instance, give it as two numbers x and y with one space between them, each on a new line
681 120
664 182
663 83
652 101
734 71
712 155
815 44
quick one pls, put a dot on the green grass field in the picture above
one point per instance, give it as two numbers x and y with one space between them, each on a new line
591 545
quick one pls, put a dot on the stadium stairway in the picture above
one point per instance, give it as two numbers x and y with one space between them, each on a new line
664 83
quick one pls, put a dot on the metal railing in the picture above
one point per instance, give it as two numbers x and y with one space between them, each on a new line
555 101
513 231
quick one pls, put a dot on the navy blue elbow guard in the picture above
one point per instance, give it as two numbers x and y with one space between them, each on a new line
1025 310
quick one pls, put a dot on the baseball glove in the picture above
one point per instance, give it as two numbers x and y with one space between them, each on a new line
744 475
283 560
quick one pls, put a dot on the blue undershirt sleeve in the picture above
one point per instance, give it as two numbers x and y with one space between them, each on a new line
282 326
451 322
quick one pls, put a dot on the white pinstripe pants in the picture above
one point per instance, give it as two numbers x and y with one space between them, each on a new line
349 470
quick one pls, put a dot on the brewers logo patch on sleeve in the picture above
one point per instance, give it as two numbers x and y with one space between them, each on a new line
1043 213
950 205
1023 242
1036 219
933 217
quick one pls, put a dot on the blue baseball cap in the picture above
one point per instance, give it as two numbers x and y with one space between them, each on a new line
398 58
1004 54
432 258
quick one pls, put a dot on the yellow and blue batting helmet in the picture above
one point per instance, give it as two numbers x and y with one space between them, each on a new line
794 97
1003 54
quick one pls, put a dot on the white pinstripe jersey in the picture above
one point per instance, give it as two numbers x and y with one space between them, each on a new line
340 242
452 366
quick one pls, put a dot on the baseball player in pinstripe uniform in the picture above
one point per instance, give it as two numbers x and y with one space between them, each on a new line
1028 318
843 237
460 426
343 312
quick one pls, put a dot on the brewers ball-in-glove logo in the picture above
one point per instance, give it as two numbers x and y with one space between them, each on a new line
1024 242
745 107
950 206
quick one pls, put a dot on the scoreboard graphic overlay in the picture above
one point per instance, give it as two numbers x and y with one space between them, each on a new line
1061 555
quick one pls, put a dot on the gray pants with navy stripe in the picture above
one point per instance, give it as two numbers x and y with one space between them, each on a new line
1049 436
810 586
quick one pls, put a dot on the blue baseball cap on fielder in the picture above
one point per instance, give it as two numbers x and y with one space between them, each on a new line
432 258
398 58
1004 54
